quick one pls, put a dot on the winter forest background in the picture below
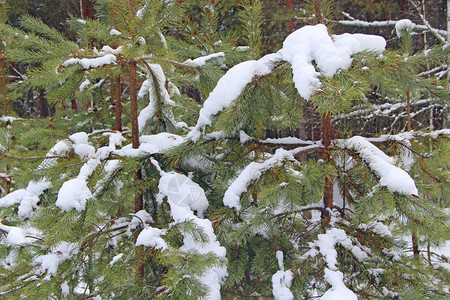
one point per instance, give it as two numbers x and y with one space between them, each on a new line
240 149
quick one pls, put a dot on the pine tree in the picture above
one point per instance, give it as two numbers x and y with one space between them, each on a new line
199 203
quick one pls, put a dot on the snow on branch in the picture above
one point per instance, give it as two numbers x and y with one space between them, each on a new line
201 61
355 22
28 198
391 176
158 95
106 56
313 44
282 281
325 245
303 49
251 173
229 87
88 63
184 196
15 235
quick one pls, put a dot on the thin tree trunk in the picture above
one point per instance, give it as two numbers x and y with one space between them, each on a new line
327 136
138 199
118 103
408 110
133 105
448 40
291 22
415 245
4 84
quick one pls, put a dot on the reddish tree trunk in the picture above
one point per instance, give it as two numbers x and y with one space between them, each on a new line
133 105
138 200
291 22
327 136
118 103
408 110
4 82
74 105
415 245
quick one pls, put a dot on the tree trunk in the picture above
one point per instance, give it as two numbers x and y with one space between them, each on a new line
448 40
138 201
327 136
118 103
42 105
415 245
408 110
4 82
133 105
291 22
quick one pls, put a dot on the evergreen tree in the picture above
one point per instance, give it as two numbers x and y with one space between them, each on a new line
199 203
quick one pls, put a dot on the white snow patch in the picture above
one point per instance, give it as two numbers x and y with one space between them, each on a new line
88 63
184 196
313 44
51 261
338 290
282 281
151 144
115 32
391 176
116 259
73 194
148 87
201 61
60 148
250 173
151 237
229 87
65 289
403 25
84 85
28 198
81 145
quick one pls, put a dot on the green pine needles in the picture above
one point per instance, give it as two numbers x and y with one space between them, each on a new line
178 163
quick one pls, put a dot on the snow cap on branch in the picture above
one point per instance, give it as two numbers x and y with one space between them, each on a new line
313 44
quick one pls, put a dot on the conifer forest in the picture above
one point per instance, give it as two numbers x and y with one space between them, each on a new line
224 149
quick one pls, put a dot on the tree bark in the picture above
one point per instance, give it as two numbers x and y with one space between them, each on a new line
138 200
291 22
4 82
118 103
133 105
408 110
327 136
448 40
415 245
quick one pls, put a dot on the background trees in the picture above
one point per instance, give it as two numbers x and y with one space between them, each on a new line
218 182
